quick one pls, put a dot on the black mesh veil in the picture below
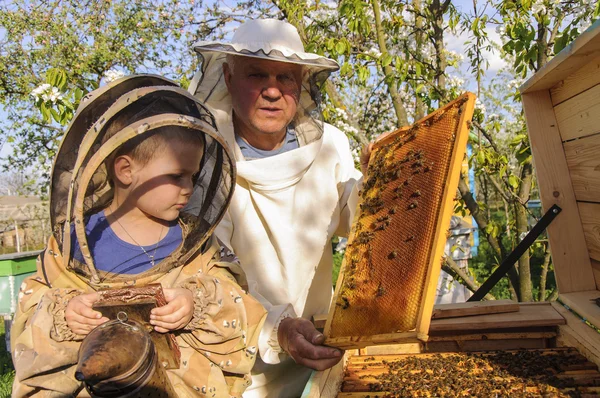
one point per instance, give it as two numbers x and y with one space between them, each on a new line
208 85
80 185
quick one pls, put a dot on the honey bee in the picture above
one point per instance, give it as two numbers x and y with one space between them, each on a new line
393 255
413 205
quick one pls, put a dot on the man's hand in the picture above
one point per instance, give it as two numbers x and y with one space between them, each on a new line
176 314
80 316
299 338
365 155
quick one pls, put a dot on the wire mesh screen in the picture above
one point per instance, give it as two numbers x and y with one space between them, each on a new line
389 250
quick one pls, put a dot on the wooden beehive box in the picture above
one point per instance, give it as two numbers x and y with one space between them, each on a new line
562 108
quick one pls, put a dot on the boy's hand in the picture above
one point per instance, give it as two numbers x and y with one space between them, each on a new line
176 314
80 316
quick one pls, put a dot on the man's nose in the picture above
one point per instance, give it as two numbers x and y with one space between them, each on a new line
271 90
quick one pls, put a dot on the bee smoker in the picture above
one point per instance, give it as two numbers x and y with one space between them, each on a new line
119 359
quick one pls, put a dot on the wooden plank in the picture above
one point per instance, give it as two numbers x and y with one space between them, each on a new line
442 311
578 53
528 316
567 241
486 345
319 321
364 341
326 383
578 335
577 117
581 80
584 304
492 336
590 220
408 348
596 270
584 166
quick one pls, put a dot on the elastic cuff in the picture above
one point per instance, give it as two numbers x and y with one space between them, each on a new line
60 330
273 341
200 305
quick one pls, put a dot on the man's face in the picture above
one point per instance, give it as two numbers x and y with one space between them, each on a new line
264 93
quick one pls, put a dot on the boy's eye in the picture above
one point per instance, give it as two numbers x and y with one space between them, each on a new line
176 176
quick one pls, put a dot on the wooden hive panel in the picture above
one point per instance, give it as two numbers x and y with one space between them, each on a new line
392 261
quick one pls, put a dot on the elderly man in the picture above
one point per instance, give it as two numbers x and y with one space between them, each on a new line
296 188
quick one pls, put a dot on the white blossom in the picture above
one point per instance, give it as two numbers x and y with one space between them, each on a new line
112 75
480 106
374 52
47 93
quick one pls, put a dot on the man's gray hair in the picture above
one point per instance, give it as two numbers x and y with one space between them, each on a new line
230 60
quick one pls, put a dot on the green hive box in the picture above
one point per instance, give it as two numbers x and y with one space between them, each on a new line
14 268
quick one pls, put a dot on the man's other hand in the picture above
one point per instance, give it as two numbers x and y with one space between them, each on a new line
299 338
365 155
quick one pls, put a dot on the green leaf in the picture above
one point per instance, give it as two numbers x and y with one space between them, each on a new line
386 59
340 47
480 158
560 43
55 115
513 181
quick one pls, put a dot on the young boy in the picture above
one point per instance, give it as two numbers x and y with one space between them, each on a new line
138 185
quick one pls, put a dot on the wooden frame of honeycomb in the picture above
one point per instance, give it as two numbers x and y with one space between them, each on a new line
386 288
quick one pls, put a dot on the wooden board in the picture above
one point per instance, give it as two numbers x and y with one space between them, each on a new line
590 221
386 288
567 241
577 334
527 316
581 80
584 166
577 54
441 311
578 116
584 304
596 270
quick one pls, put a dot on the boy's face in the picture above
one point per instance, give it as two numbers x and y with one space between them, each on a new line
162 187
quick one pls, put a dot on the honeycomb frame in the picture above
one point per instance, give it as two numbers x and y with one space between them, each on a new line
386 288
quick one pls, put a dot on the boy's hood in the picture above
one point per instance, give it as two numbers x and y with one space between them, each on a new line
79 184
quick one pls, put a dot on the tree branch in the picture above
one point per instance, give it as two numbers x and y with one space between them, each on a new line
450 267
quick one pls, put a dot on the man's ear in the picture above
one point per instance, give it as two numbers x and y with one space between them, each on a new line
123 167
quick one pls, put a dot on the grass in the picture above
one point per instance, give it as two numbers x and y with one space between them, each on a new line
7 372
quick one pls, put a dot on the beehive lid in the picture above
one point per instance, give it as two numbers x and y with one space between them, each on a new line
385 292
577 54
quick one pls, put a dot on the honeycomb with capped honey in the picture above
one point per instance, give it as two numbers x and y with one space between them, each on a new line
401 224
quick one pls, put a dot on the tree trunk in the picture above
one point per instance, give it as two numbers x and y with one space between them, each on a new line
543 276
522 226
388 71
419 105
475 211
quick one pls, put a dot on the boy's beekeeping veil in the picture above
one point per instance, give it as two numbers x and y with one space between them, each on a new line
79 182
